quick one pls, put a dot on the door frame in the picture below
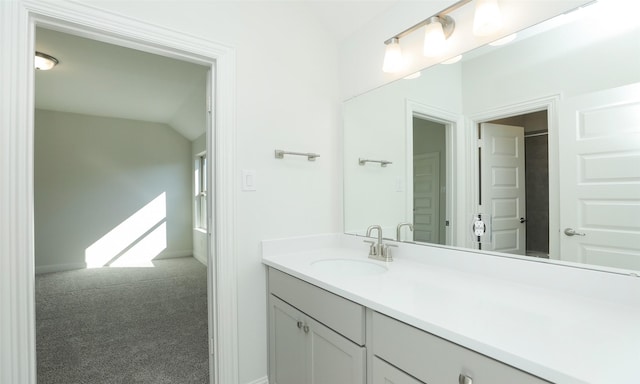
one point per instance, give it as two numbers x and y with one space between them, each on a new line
452 122
548 103
19 19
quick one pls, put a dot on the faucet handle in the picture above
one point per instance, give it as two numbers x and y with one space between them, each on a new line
372 247
385 251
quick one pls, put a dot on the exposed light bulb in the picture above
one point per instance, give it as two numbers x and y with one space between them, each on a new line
487 19
44 62
393 61
434 38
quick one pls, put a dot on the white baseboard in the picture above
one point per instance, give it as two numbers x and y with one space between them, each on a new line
262 380
71 266
59 267
174 254
201 258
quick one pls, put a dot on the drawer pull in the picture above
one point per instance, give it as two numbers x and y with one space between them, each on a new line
306 328
299 324
464 379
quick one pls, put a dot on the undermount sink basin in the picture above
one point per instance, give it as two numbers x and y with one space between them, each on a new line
348 267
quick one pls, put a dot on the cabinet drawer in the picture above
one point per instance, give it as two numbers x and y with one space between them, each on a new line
385 373
342 315
435 360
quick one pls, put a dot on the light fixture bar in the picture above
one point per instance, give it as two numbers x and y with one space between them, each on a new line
424 22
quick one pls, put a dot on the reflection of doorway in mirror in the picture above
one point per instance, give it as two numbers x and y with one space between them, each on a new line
429 181
536 169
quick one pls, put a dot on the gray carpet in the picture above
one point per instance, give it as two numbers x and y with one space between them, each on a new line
123 325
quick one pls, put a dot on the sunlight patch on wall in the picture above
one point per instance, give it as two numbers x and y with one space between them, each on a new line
138 239
141 254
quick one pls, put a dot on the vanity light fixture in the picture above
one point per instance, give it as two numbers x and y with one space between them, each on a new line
436 33
438 28
393 61
487 19
44 62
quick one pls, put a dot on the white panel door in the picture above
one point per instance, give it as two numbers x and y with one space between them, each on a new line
502 186
426 197
600 178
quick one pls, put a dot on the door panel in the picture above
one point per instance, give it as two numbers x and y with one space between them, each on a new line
426 197
600 183
503 186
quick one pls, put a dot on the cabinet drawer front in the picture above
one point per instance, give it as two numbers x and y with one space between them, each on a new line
385 373
342 315
435 360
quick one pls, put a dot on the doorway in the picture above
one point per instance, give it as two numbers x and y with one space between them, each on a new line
20 21
114 191
429 181
518 204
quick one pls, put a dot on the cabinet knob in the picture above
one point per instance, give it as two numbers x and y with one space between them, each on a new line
306 328
464 379
299 324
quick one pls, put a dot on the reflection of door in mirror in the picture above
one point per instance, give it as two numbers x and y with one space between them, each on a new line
429 181
600 178
514 183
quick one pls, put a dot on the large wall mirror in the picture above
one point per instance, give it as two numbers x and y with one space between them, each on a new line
530 148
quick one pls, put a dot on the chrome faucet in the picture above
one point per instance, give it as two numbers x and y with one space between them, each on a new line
399 229
378 250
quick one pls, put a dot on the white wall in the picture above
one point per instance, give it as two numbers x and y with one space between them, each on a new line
287 98
198 146
94 173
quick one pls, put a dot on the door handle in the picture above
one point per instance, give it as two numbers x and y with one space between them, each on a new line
572 232
523 220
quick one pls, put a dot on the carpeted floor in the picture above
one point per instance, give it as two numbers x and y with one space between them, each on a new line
123 325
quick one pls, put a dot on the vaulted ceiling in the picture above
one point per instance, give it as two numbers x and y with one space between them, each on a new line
101 79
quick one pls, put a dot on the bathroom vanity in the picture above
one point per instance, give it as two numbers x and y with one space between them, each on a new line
436 315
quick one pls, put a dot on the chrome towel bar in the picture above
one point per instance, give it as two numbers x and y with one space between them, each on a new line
383 163
310 156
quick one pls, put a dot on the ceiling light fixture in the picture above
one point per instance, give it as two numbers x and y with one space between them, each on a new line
44 62
438 28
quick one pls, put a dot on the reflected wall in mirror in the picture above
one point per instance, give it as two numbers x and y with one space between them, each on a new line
450 138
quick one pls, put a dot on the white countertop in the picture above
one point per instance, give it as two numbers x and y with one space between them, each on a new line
560 336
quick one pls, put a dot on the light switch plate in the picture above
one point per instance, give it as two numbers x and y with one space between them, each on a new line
248 180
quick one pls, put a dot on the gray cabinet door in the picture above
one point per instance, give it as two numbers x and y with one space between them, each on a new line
288 351
303 350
